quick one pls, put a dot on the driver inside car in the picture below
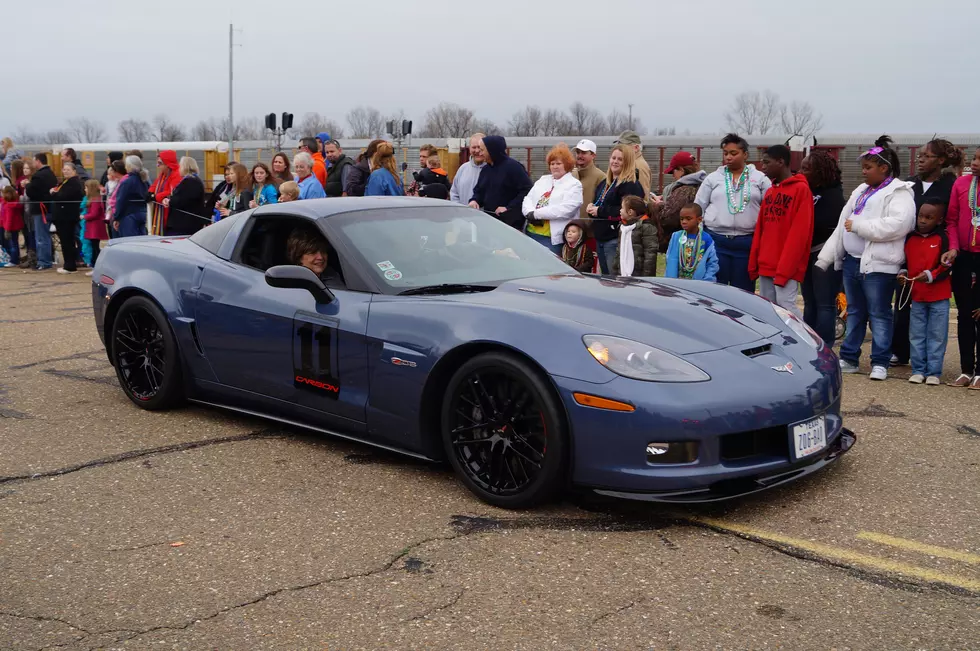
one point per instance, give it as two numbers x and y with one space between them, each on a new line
308 249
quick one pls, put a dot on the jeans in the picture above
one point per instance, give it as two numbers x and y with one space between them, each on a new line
900 340
11 243
544 240
94 244
66 233
42 236
869 297
928 333
607 252
820 289
784 297
130 226
733 260
967 295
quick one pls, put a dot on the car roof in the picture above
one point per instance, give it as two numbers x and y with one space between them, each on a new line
318 208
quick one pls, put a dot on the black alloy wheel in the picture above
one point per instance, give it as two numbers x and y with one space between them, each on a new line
504 431
144 353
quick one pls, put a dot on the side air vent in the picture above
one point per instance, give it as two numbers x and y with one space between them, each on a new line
758 350
197 340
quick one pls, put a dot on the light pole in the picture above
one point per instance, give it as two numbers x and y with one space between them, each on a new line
631 116
231 100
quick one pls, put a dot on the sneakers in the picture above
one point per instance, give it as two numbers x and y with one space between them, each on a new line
878 373
89 273
933 381
895 361
9 265
42 268
847 367
62 270
962 381
918 378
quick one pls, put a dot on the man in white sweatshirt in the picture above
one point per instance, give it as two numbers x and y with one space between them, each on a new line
469 172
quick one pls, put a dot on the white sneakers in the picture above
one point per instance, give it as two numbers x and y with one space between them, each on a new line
62 270
933 381
878 373
918 378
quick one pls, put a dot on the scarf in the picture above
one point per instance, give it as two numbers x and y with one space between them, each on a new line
626 260
574 254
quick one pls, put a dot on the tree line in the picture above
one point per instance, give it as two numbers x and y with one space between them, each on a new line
751 113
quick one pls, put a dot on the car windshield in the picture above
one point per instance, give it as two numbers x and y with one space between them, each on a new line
407 248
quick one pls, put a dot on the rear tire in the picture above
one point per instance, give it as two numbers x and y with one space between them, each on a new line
145 355
504 432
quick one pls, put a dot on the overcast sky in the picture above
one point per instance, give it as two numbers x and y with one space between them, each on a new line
895 66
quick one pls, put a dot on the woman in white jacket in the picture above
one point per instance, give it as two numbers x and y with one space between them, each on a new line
554 200
869 245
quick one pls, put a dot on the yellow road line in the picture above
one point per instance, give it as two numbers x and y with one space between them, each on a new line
922 548
845 555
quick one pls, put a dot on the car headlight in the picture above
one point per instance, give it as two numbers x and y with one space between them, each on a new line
797 325
641 362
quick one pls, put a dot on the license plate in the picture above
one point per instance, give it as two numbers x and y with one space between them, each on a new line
809 437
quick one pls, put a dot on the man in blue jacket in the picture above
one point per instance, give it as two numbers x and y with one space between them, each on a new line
503 184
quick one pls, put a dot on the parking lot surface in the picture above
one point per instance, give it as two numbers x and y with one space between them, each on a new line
196 529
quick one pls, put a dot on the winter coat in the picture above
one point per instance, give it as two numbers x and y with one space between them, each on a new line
580 257
941 188
681 193
95 221
923 254
11 215
606 226
187 212
590 176
645 249
130 210
65 208
959 225
707 268
713 199
503 183
783 233
564 203
827 205
334 187
887 218
381 183
38 189
433 184
162 186
357 178
320 168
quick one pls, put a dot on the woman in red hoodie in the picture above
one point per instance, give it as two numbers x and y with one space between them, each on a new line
168 176
12 223
781 246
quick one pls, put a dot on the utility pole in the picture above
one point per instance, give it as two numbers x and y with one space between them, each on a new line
231 99
631 116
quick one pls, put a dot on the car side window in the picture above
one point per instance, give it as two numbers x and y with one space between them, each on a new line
211 237
267 243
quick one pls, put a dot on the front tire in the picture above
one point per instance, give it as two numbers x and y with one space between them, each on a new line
504 432
145 355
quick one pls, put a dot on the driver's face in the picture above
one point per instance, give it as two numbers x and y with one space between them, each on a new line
315 262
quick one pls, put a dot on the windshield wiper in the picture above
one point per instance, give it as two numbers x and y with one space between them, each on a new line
447 288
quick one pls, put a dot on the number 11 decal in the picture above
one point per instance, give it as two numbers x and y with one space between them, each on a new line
315 358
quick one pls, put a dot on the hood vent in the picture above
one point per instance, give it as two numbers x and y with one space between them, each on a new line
758 350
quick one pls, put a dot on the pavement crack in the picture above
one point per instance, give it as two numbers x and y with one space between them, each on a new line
613 613
436 609
146 452
109 380
44 618
84 355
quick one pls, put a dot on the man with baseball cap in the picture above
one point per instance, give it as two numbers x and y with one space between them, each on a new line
688 177
586 172
633 138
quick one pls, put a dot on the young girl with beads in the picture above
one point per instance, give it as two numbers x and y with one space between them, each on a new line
691 252
869 245
730 198
963 228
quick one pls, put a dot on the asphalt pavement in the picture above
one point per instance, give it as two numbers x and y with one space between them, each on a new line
196 529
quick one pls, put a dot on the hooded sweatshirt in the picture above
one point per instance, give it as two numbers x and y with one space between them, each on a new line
783 233
503 182
923 254
466 177
161 188
578 256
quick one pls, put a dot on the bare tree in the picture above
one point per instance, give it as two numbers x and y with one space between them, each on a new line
556 123
586 121
167 131
56 137
133 130
668 131
487 126
526 123
314 123
447 120
23 135
800 118
754 113
249 129
365 122
206 130
617 122
86 130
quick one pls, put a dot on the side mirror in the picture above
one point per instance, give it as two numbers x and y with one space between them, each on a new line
292 276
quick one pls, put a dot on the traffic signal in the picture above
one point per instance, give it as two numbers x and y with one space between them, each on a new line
406 127
270 121
287 121
391 127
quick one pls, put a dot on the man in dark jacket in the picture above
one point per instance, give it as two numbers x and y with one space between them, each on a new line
339 171
38 190
503 184
68 154
113 156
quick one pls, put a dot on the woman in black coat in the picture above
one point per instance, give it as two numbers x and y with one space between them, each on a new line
622 180
185 204
65 212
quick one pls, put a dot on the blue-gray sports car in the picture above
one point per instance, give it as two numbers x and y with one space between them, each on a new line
434 330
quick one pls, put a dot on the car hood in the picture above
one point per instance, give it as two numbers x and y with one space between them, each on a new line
677 320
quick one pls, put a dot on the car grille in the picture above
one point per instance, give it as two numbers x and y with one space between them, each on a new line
772 442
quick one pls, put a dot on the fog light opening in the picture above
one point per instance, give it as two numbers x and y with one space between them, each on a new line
667 452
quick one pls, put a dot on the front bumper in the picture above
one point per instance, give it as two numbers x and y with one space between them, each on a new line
726 489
